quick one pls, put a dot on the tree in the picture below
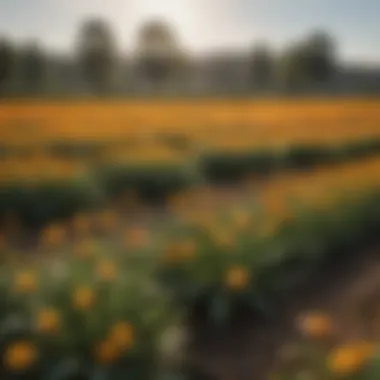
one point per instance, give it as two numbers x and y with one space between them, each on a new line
157 52
97 54
291 69
308 62
261 65
6 63
320 56
32 66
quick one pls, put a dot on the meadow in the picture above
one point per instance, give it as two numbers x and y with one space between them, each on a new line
97 282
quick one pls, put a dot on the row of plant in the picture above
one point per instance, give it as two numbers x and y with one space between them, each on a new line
222 166
38 202
98 310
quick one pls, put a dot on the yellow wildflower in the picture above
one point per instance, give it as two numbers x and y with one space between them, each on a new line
349 359
136 238
181 251
122 335
106 270
53 236
81 224
25 282
106 352
107 220
316 325
20 356
83 248
83 298
48 321
237 278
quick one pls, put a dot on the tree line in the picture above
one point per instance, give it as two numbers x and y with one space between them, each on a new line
97 66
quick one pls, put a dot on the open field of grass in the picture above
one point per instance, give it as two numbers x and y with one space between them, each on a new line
110 281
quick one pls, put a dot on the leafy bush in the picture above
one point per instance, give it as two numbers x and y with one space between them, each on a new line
150 183
37 204
222 166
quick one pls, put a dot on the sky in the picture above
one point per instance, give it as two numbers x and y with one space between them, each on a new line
203 25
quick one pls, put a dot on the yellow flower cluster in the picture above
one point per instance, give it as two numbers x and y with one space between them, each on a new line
119 340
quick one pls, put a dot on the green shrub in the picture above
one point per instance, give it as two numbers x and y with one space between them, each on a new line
221 166
39 203
151 183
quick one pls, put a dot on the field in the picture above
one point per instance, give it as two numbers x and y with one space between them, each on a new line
128 229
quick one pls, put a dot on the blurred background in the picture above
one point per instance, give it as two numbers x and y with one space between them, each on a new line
220 48
189 190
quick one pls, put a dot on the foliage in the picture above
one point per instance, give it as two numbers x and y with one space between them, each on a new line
157 52
223 262
222 166
99 316
262 66
38 204
32 67
96 50
149 182
6 62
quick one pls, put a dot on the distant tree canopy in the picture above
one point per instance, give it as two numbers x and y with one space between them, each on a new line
320 56
308 62
157 52
261 65
96 54
32 66
160 62
6 62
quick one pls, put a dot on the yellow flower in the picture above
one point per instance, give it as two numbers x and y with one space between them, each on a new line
121 335
349 359
83 249
25 282
53 236
223 238
241 219
83 298
107 220
19 356
106 270
48 321
181 251
316 325
81 224
136 238
106 352
187 249
237 278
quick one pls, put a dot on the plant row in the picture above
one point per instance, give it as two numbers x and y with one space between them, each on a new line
100 309
37 203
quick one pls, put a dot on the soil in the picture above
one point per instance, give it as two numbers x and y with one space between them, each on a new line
347 291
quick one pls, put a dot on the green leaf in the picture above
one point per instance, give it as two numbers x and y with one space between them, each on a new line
69 369
219 309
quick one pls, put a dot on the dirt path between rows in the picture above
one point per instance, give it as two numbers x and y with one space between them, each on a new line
349 292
